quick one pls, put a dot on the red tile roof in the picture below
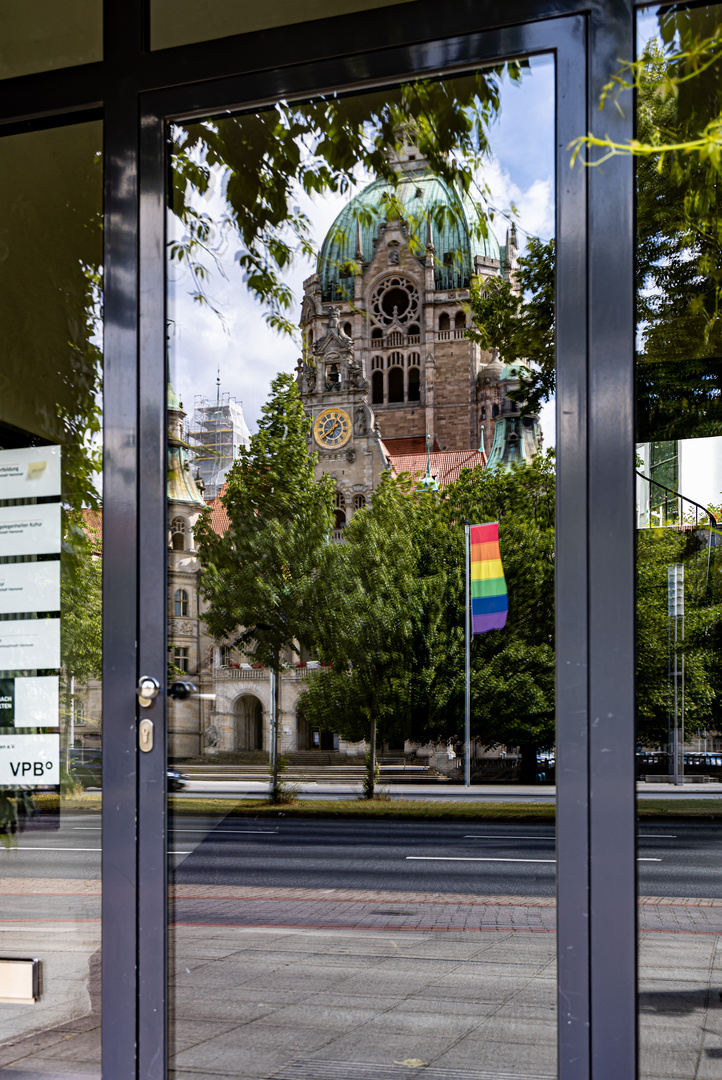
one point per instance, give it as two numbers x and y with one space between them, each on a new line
219 514
446 465
412 444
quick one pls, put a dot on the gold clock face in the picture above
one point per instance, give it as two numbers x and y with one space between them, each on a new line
332 428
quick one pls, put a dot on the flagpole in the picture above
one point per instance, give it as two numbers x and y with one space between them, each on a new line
467 666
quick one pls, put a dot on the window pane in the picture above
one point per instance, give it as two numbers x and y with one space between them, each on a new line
324 490
679 571
45 35
50 592
181 22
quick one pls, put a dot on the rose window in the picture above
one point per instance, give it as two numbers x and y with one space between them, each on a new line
395 300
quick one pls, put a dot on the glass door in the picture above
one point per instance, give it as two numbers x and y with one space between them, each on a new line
362 860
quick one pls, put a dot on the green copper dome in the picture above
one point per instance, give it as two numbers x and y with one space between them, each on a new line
421 194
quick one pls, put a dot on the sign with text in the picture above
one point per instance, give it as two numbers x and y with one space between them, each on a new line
30 473
32 701
30 760
29 586
29 644
30 530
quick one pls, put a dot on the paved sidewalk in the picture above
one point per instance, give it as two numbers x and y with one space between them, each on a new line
308 984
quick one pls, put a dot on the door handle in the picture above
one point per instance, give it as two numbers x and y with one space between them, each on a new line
147 690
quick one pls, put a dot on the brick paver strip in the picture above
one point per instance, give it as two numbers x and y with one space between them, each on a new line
371 909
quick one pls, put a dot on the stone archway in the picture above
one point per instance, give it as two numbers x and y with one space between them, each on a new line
248 713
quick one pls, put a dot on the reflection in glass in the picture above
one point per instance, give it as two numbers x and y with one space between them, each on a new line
50 589
679 573
45 35
318 483
183 22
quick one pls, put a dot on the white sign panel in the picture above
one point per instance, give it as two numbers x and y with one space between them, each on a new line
29 643
30 530
29 586
32 701
30 760
30 473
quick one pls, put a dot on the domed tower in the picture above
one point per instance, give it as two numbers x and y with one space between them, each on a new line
516 438
396 267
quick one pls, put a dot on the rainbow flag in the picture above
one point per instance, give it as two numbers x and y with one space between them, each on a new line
489 601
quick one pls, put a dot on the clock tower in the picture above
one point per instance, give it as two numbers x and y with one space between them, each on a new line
344 432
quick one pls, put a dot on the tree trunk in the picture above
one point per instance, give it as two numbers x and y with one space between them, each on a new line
528 768
371 787
275 729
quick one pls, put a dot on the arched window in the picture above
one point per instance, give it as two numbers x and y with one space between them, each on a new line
460 320
483 412
495 410
377 363
181 603
178 530
413 330
396 338
348 329
377 388
377 333
226 652
444 323
413 360
395 360
414 384
359 501
340 511
396 385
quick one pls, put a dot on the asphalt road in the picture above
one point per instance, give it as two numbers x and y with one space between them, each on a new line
681 859
491 859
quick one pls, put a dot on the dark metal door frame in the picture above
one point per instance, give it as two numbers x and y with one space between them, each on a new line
584 986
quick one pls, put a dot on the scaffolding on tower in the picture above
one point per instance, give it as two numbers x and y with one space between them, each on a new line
217 431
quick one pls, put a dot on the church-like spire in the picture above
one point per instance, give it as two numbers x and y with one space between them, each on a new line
359 256
429 235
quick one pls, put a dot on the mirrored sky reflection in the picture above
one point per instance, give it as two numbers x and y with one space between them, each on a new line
248 353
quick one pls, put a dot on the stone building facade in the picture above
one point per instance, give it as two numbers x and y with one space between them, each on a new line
390 380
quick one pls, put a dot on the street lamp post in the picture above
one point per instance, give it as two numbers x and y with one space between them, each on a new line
675 609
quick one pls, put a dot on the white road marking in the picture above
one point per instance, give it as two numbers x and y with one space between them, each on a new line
463 858
222 832
476 836
56 849
657 836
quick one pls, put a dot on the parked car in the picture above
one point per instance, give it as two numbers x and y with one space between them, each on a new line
86 766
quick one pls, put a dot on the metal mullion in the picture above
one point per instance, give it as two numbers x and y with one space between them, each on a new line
572 778
123 549
120 573
153 820
317 40
611 525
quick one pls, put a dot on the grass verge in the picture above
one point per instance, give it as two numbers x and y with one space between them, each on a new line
393 809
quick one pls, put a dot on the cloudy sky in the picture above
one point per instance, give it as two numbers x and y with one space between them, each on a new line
248 353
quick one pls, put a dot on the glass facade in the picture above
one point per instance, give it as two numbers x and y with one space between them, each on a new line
678 568
45 35
51 547
279 925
